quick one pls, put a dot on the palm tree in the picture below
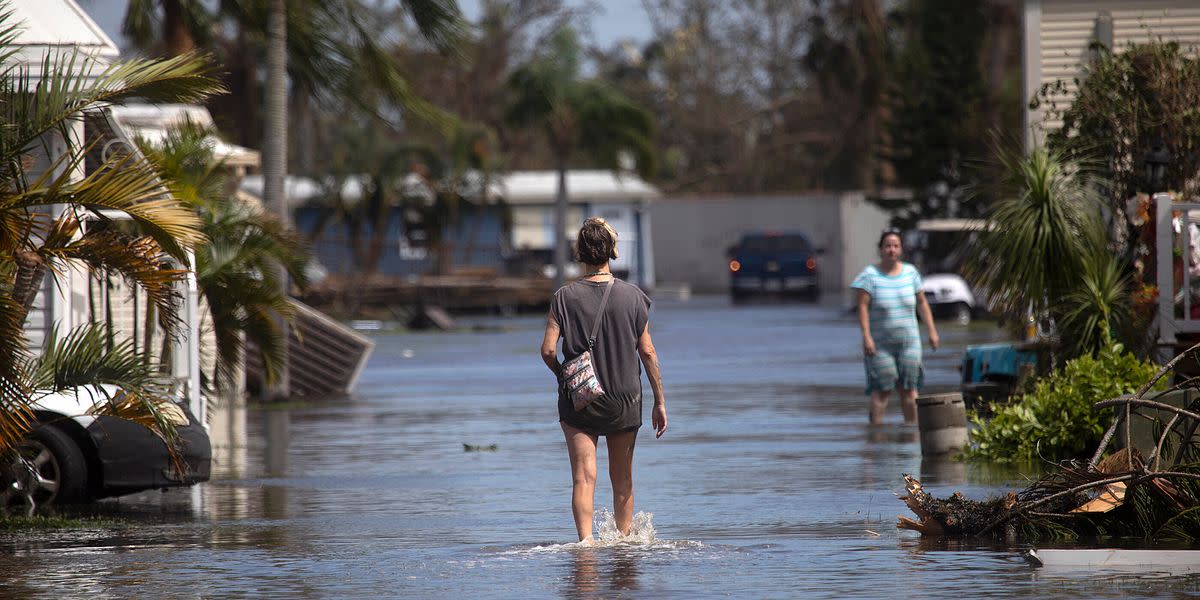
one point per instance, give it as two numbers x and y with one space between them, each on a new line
236 269
274 163
1043 230
440 188
51 222
334 49
577 116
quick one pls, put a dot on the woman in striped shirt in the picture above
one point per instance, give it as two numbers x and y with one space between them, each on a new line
889 296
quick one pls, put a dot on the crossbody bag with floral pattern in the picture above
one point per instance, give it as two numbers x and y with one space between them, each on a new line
579 374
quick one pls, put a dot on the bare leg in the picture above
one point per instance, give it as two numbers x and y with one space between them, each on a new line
879 402
908 403
620 472
581 448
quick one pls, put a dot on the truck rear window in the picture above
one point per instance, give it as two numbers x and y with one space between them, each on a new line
775 243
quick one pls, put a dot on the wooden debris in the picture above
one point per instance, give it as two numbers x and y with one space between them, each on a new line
1110 497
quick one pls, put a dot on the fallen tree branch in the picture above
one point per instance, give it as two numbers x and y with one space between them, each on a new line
1149 404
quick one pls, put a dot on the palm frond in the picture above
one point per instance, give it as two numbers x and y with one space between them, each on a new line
372 63
66 88
138 259
89 359
125 184
439 21
83 358
140 24
611 125
16 416
151 410
9 31
237 268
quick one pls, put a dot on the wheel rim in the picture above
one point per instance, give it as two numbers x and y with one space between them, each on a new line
963 315
31 478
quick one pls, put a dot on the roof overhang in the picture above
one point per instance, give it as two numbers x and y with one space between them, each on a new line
153 122
60 33
583 187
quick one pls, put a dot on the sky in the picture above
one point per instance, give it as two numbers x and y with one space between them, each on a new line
611 20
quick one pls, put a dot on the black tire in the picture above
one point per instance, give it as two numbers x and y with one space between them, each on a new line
52 471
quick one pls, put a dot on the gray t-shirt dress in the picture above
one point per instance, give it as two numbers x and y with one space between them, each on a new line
614 356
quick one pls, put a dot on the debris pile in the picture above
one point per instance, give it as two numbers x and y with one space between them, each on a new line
1118 494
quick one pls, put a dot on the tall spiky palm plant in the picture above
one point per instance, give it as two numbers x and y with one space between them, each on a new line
577 116
236 268
1045 224
52 222
1099 308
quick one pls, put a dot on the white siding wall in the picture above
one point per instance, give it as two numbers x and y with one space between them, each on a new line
1058 33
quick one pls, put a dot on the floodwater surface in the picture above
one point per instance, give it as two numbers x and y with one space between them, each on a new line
768 484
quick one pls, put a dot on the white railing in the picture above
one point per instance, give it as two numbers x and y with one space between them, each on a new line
1171 321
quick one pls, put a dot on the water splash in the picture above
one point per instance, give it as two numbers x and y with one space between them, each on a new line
641 530
642 536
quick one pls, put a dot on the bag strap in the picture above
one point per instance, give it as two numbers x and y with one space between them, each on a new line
600 313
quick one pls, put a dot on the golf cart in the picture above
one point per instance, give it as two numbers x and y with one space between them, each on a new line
937 248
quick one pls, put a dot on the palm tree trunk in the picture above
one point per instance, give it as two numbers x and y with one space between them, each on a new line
31 272
178 40
274 148
560 225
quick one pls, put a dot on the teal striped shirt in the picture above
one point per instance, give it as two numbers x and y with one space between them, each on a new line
893 308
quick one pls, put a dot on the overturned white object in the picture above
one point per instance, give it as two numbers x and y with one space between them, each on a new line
1173 560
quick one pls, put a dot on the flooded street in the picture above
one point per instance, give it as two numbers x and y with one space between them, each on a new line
768 484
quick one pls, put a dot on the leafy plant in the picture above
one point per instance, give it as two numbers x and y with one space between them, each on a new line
1055 421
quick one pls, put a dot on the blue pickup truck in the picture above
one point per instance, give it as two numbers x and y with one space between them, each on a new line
773 263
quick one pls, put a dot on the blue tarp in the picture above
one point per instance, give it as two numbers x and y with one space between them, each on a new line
996 360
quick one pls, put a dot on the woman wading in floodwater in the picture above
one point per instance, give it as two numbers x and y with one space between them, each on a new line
889 296
623 339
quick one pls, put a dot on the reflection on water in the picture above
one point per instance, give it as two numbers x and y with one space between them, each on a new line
943 470
585 578
602 572
769 484
279 435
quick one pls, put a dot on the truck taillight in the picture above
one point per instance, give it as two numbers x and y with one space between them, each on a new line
735 266
811 263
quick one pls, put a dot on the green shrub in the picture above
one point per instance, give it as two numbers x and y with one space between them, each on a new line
1055 420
